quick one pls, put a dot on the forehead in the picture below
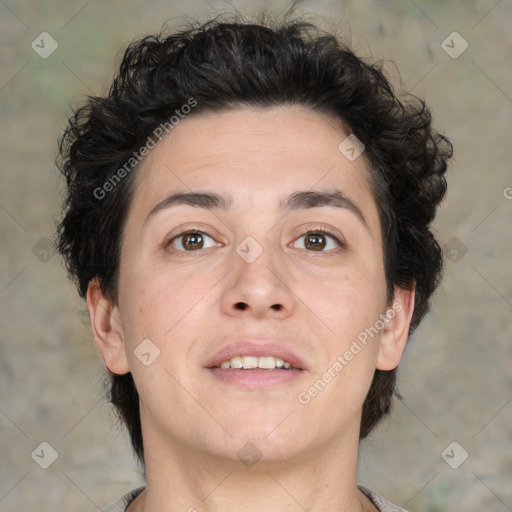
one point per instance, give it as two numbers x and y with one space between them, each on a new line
256 156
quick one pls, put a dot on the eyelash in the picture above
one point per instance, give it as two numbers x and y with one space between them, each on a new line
322 231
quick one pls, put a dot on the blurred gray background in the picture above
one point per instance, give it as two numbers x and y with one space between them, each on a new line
457 373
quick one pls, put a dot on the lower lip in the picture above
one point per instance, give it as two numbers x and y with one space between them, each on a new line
256 378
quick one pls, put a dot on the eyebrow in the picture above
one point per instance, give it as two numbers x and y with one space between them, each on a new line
299 200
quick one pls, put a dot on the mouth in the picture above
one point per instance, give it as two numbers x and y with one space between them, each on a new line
259 363
252 365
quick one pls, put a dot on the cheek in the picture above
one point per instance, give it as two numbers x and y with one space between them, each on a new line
154 304
160 301
349 308
347 302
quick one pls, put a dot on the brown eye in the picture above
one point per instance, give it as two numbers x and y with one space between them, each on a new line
319 241
315 241
190 241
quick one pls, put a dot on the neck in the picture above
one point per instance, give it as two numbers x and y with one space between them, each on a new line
181 479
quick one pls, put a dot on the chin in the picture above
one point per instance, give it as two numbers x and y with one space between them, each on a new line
274 441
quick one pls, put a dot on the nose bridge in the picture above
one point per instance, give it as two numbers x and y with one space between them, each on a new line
258 281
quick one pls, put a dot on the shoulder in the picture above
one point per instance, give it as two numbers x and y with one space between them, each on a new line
381 503
122 503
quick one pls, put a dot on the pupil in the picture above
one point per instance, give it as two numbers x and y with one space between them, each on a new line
193 241
318 241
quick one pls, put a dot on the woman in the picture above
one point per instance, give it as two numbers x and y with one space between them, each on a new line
247 216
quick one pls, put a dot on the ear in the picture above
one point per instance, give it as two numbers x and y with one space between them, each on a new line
396 331
107 329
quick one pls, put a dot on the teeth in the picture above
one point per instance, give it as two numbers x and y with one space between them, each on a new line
236 362
263 363
267 363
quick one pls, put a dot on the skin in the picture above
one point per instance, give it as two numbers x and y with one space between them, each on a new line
185 303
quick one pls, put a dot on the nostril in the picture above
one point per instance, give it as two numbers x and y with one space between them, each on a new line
242 306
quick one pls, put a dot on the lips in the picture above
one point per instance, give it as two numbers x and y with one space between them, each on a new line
255 349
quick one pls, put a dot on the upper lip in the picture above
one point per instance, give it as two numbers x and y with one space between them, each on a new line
255 349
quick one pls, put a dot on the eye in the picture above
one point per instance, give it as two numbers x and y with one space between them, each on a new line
318 240
191 240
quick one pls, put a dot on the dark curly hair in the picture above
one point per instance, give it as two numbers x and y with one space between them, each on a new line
225 65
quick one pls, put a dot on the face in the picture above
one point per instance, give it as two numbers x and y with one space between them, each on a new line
288 261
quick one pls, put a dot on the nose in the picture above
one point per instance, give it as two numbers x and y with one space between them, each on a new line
259 289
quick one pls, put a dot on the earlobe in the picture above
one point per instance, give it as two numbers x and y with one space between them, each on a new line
107 329
395 333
